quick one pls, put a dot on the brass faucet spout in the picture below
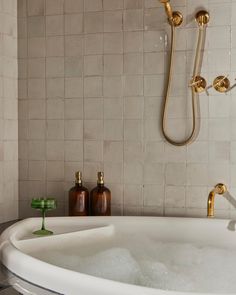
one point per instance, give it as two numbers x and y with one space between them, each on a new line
219 189
211 204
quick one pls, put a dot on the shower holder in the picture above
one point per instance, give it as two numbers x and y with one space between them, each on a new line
177 18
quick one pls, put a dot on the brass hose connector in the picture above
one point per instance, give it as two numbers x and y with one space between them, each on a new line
202 18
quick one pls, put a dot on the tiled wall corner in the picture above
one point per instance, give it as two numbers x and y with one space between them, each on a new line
9 111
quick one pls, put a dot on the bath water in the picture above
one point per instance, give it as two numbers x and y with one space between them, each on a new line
166 266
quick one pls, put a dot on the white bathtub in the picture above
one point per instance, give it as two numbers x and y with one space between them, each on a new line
39 260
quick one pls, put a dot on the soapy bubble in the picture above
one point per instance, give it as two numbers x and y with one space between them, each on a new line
161 265
115 264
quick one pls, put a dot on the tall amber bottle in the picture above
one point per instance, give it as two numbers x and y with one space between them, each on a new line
78 198
100 198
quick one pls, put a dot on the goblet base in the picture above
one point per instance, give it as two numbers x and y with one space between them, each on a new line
43 232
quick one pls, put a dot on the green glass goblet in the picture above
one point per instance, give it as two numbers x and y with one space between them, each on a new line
43 204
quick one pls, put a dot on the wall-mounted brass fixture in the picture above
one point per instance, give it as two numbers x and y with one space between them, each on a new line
199 84
202 17
175 18
221 84
219 189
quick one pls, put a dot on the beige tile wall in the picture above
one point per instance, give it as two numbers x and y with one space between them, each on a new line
91 80
8 112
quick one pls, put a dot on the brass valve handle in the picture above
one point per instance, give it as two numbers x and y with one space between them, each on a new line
221 188
221 84
198 83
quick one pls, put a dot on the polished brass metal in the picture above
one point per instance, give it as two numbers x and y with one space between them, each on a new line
221 84
196 72
199 84
78 177
168 8
175 18
100 178
219 189
202 17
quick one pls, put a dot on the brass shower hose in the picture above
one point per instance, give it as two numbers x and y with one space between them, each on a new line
196 71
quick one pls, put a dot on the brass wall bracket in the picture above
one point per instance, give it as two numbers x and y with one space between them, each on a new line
177 18
202 17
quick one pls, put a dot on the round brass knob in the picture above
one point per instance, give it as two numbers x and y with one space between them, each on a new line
221 188
202 17
177 18
221 84
199 84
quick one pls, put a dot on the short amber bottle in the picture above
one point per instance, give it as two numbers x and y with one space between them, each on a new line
78 198
100 198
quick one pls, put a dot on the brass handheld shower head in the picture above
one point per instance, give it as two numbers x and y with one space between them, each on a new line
168 9
175 18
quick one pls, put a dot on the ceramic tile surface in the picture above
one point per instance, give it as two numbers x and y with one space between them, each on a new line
91 81
9 106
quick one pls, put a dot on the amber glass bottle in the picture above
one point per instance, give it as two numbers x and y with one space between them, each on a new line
78 198
100 198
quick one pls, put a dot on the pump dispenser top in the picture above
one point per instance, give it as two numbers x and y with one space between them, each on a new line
78 177
100 178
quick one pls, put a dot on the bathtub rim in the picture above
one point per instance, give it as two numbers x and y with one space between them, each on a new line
10 253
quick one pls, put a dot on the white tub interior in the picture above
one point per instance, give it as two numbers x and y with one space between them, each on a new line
171 254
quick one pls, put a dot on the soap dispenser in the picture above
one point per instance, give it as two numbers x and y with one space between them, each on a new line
78 198
100 198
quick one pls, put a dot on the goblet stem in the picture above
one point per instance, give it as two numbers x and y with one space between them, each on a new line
43 219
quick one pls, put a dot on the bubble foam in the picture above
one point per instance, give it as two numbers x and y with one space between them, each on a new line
166 266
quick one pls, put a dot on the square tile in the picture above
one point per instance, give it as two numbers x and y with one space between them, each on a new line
74 129
93 22
55 46
54 25
73 24
54 7
74 6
